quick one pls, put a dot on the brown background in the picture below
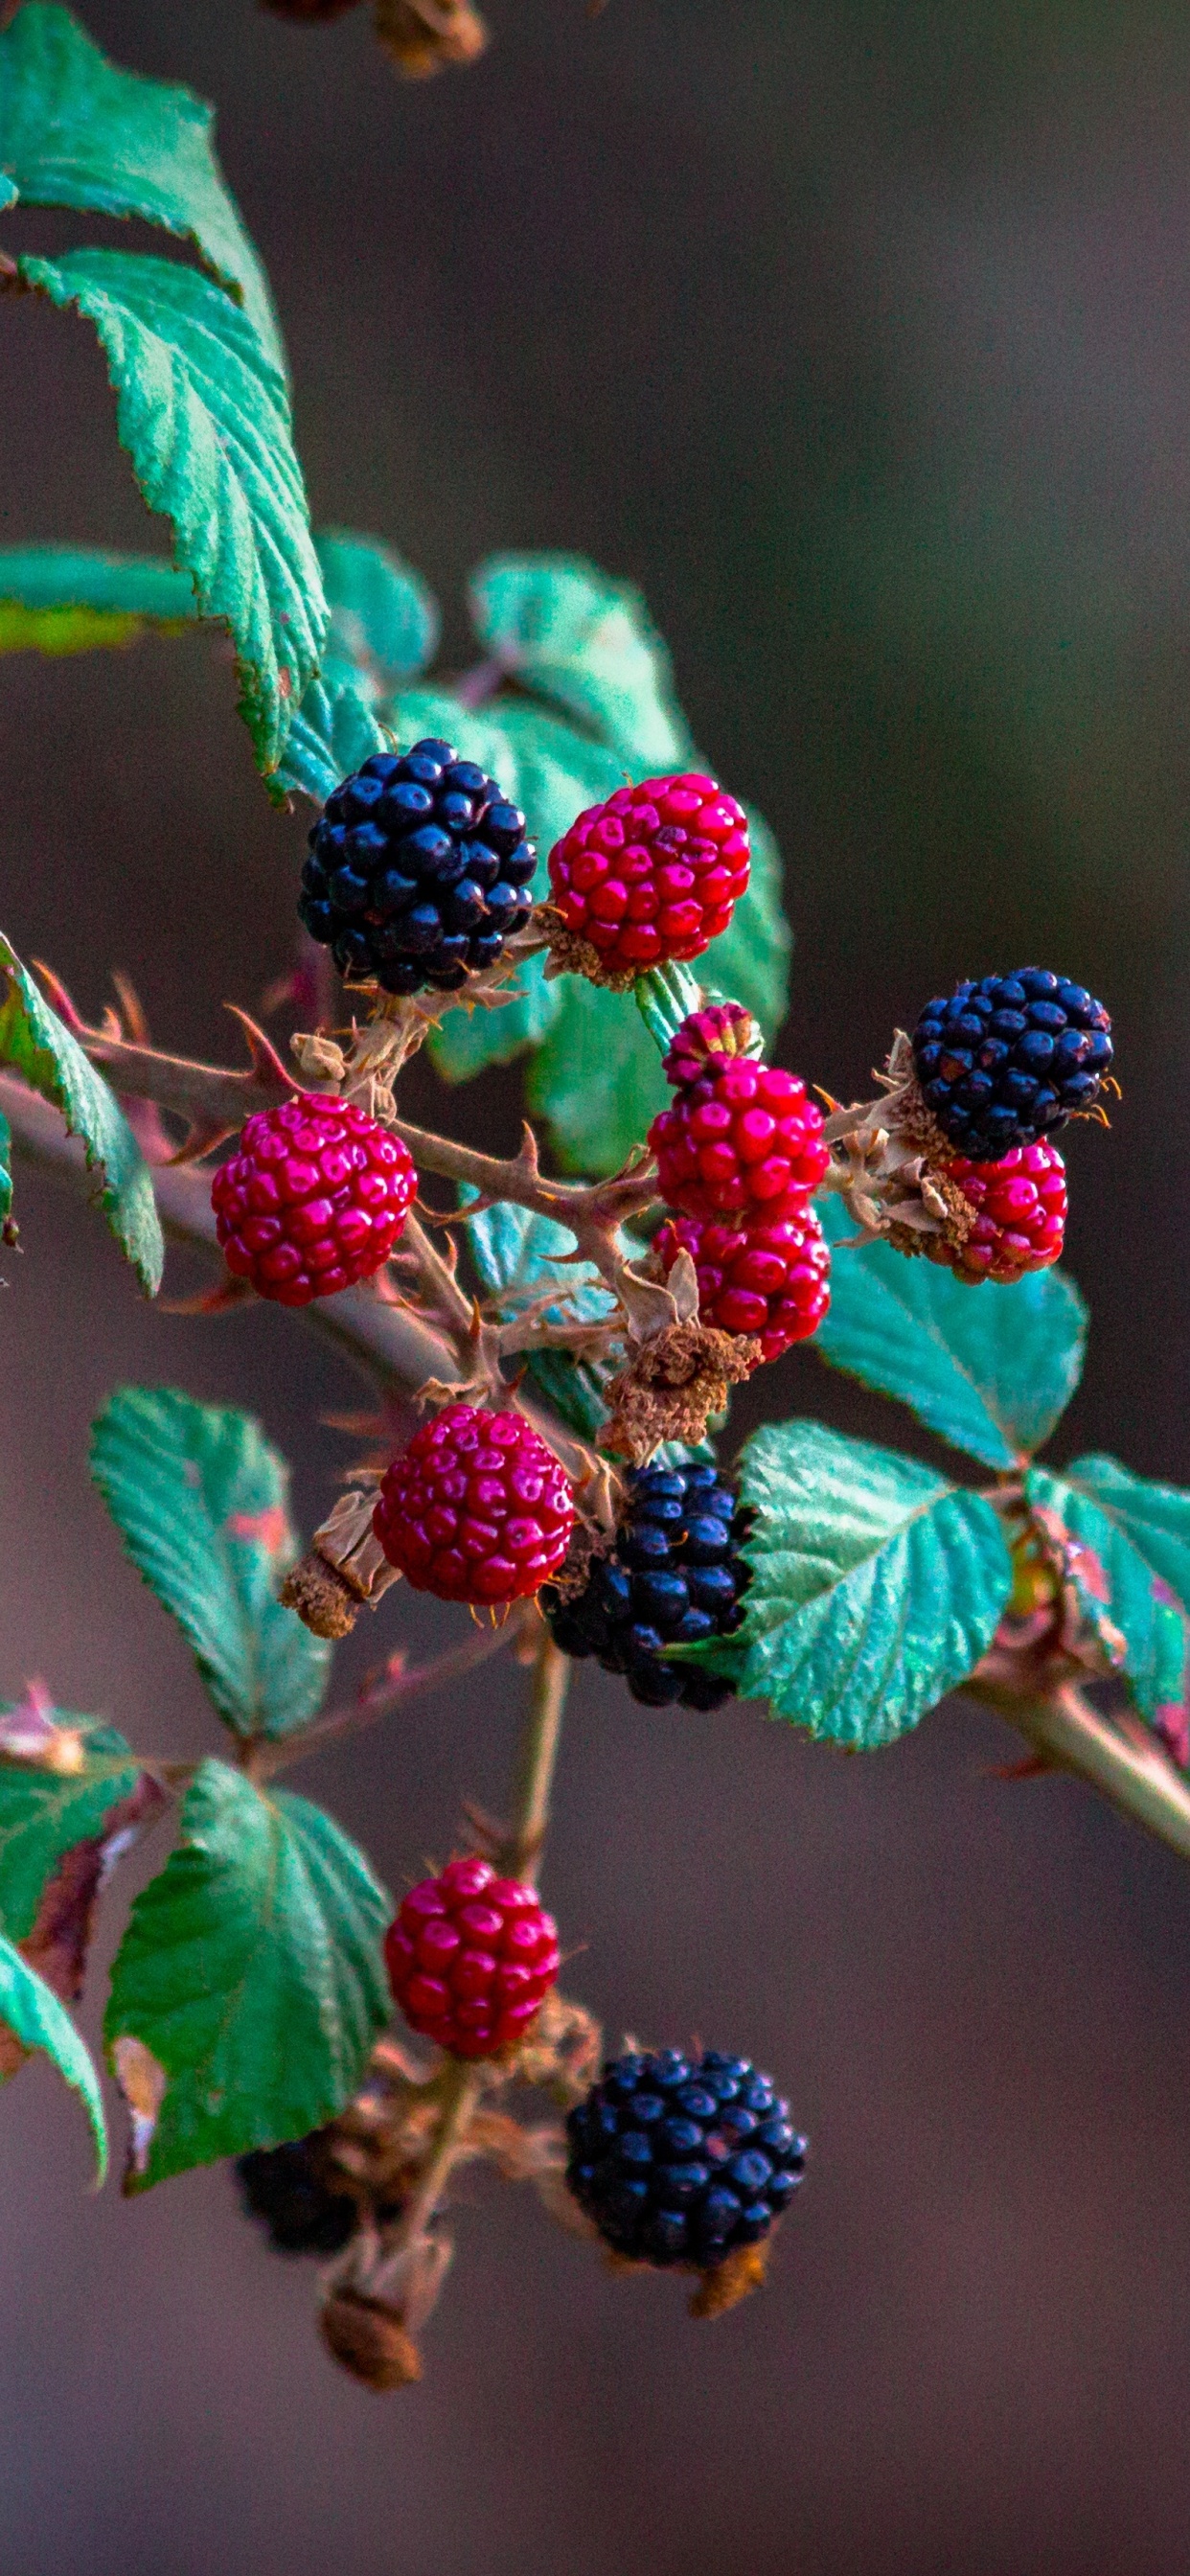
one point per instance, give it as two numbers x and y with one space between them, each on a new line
857 335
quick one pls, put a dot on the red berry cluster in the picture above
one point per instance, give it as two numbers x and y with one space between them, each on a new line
738 1155
1019 1209
471 1958
476 1508
314 1200
653 873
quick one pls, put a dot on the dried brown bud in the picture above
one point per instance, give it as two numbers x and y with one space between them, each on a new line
672 1387
423 36
370 2341
345 1567
320 1597
731 2281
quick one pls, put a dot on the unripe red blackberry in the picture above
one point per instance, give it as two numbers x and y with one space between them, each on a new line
741 1138
471 1958
313 1200
770 1280
652 874
1019 1209
476 1508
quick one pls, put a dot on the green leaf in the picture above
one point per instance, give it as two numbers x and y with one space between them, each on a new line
5 1178
66 599
515 1253
598 1078
665 997
561 627
988 1368
35 2017
332 734
204 416
876 1584
200 1498
251 1971
1127 1548
77 131
45 1811
40 1048
384 619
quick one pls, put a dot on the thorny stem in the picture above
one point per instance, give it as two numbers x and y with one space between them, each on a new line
1132 1772
380 1698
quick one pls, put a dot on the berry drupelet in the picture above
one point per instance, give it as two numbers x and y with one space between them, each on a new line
651 875
476 1509
1018 1210
770 1281
313 1200
676 1578
1009 1058
288 2191
741 1138
418 871
471 1958
682 2160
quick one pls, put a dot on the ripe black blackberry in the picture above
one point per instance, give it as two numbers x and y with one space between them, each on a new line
681 2160
286 2188
1009 1058
418 870
675 1578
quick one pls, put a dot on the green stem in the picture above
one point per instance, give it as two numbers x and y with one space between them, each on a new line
1137 1776
535 1762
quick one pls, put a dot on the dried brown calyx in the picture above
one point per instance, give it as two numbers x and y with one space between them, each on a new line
888 1163
673 1385
344 1569
425 36
570 954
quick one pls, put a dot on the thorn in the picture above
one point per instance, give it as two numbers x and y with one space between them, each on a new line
211 1301
201 1138
528 1158
60 999
266 1063
1032 1766
135 1023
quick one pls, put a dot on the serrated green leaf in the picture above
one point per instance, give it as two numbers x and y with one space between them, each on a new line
989 1369
598 1078
876 1584
332 734
384 619
45 1812
515 1253
41 1049
203 413
563 628
200 1498
77 131
35 2017
1131 1557
68 599
251 1970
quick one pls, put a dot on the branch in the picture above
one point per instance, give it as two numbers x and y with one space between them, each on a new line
1071 1736
379 1698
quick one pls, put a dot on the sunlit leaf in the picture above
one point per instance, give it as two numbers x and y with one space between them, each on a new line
40 1047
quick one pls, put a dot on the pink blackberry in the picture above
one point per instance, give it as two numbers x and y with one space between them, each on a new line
471 1958
652 874
741 1139
314 1200
770 1280
476 1508
1019 1209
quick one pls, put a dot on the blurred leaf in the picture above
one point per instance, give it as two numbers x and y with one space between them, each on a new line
45 1811
201 1498
203 413
32 2012
1129 1544
876 1584
560 626
67 599
514 1250
77 131
251 1971
5 1172
989 1369
384 619
41 1049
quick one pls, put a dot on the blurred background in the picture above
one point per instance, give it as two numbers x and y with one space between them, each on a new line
855 332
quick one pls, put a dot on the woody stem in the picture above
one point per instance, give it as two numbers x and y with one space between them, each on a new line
1135 1774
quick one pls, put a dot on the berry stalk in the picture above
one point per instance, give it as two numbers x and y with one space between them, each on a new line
1131 1770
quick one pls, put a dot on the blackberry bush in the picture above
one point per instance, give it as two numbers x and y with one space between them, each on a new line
553 1340
418 871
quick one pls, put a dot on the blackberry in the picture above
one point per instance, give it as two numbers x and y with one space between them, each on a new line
286 2189
1009 1058
418 871
682 2159
675 1578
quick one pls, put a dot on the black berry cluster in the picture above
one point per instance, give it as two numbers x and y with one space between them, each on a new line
286 2188
680 2160
676 1577
418 870
1009 1058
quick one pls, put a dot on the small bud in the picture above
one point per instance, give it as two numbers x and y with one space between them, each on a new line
370 2341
